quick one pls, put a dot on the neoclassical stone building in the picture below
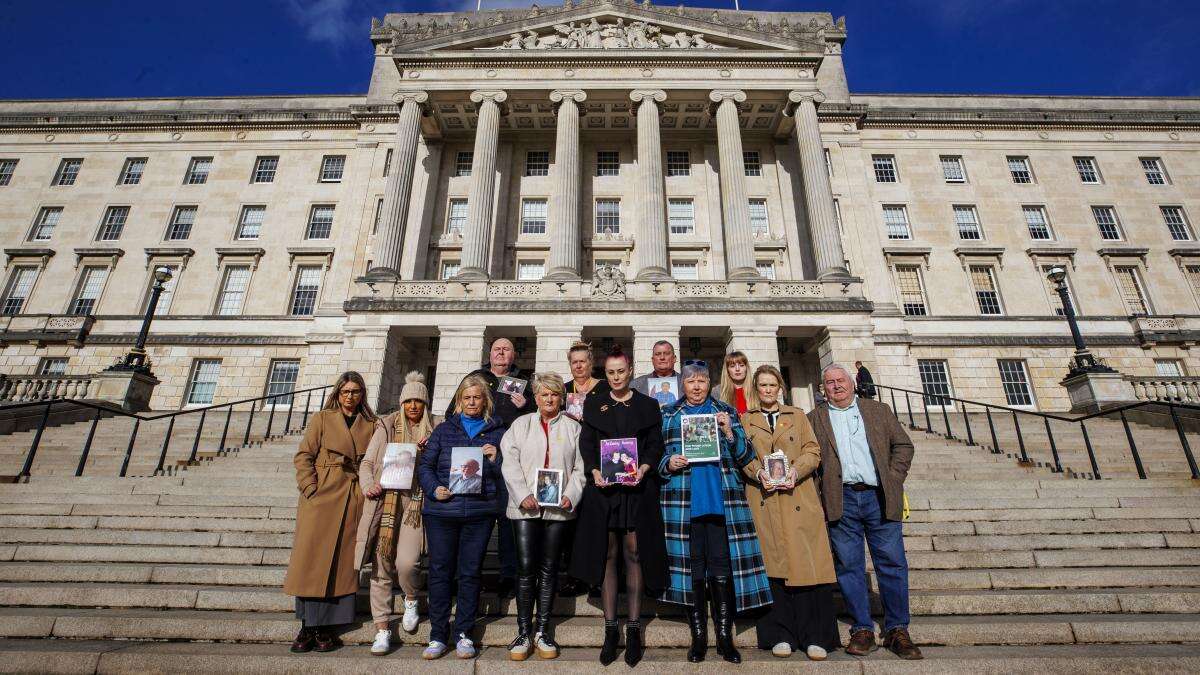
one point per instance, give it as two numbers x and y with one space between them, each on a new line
606 171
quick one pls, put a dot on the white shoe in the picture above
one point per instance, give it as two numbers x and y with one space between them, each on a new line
518 649
546 648
465 649
782 650
411 617
435 650
383 642
816 653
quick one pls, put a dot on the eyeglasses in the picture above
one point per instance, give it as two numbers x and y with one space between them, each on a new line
696 362
350 392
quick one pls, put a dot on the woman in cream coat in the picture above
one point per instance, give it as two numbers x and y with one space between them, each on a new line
546 439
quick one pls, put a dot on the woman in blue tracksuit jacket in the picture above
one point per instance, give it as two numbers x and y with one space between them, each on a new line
458 526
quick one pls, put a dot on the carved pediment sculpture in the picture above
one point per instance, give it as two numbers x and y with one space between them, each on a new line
614 35
609 283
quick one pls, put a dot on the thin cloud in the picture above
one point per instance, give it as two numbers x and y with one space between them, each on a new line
332 22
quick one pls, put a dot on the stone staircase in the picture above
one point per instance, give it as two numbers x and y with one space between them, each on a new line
1013 568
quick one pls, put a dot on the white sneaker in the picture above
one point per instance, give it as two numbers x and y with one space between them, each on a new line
383 642
435 650
546 648
782 650
465 649
518 649
411 617
816 653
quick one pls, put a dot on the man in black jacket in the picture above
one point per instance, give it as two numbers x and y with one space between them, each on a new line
864 386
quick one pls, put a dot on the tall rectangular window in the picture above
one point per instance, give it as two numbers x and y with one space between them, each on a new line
264 169
387 162
463 160
681 215
1015 380
304 294
47 220
895 220
378 215
113 223
131 173
198 170
52 366
531 270
251 221
608 163
1055 300
760 224
1036 221
91 285
68 172
537 163
332 167
282 380
320 222
20 285
912 293
7 168
766 268
450 269
456 216
168 293
952 169
1168 368
678 163
1192 272
935 381
753 162
685 270
885 168
203 384
1176 222
983 280
1132 293
1106 222
533 216
1018 168
967 221
828 163
608 216
233 290
1153 168
182 219
1087 169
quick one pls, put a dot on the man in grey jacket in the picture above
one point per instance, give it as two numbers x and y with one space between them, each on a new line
663 359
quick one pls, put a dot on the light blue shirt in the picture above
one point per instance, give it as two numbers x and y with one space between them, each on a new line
853 451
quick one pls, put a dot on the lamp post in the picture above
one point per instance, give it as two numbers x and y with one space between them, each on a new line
1083 361
136 358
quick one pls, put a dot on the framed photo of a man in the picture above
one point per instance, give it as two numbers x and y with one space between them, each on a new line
399 462
549 487
663 390
511 386
466 471
777 468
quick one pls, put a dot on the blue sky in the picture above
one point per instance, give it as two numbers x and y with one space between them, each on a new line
145 48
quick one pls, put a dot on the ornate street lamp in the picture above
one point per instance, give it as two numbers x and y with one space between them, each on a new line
135 360
1083 361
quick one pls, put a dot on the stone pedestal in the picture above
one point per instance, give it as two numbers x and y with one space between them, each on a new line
1092 392
129 389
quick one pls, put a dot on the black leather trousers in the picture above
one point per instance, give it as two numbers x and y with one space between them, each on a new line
539 545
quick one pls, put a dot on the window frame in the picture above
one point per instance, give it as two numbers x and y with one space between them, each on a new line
752 163
294 300
1056 308
271 381
1045 215
1159 168
124 178
525 219
81 284
1025 380
62 173
173 221
763 228
596 216
257 171
240 229
537 167
691 220
887 225
46 363
193 176
523 263
879 171
927 385
1116 221
12 283
325 175
8 169
1139 285
1030 179
190 391
606 165
222 289
995 289
451 202
168 288
898 270
962 168
956 209
1093 167
678 163
445 264
687 263
107 224
39 221
464 162
1184 222
311 222
761 264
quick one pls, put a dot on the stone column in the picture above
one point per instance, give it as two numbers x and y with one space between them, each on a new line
735 206
460 351
757 342
552 346
564 202
818 195
644 338
397 196
650 248
481 199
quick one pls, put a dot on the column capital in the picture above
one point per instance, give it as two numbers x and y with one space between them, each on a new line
496 96
414 95
656 95
560 95
797 96
721 95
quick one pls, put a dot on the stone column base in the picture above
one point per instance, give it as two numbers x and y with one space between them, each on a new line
1093 392
128 389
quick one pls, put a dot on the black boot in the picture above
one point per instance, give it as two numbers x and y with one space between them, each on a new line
633 644
723 612
612 639
698 623
524 621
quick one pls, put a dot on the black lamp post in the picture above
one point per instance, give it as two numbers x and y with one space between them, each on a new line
136 358
1083 361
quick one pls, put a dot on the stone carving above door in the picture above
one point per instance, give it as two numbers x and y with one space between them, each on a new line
613 35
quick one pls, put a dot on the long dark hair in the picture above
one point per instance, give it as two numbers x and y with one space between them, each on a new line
348 377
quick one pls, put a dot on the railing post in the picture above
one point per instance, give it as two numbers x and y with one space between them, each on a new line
1020 439
287 423
225 431
307 400
137 421
33 446
196 441
1087 443
912 423
1137 459
270 418
894 411
928 424
1053 448
249 423
946 419
992 428
162 456
1183 441
87 444
967 423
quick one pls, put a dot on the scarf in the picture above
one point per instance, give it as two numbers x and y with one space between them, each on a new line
388 527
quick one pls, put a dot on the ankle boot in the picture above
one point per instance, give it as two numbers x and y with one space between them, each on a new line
723 612
612 640
633 645
698 622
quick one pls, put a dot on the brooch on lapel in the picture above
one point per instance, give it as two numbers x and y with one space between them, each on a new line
604 408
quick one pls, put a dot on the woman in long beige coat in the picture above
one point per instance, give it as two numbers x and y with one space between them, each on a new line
321 572
791 525
390 534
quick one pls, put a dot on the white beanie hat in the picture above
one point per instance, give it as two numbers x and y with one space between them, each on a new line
414 387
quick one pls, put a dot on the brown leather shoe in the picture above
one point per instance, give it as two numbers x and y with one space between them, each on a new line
900 643
326 641
304 642
862 642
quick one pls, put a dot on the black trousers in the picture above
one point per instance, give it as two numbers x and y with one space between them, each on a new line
710 548
800 616
539 544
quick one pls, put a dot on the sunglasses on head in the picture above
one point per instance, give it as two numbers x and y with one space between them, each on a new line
696 362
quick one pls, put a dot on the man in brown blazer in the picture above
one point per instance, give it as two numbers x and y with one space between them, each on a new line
865 456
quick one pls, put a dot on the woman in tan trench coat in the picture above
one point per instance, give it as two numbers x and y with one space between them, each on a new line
791 526
322 572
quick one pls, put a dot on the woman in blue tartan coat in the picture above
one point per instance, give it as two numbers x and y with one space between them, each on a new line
711 541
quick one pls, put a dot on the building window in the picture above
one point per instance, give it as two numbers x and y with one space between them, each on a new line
1056 301
967 221
681 216
264 169
251 221
282 380
7 168
530 270
47 220
537 163
952 169
885 168
679 163
1015 380
760 225
233 290
203 382
608 216
1106 222
685 270
131 173
450 268
1132 294
462 162
387 162
766 268
308 286
753 162
113 223
1035 220
1018 168
935 381
20 285
1192 272
895 220
533 216
91 285
68 172
52 366
912 293
168 293
378 215
1088 171
828 163
608 163
182 219
983 280
320 222
198 170
1155 174
1176 222
456 219
332 167
1168 368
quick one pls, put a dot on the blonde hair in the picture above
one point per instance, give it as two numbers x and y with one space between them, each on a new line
551 381
767 369
581 347
470 382
333 402
727 386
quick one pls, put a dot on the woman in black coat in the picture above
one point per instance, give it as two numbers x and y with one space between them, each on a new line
618 517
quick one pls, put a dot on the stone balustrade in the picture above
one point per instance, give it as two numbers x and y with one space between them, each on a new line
23 388
1166 389
608 289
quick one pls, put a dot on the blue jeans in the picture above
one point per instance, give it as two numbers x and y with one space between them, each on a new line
456 545
862 517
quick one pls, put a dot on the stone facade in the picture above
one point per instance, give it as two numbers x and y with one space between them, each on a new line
713 163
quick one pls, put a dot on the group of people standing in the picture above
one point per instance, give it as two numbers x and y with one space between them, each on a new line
748 533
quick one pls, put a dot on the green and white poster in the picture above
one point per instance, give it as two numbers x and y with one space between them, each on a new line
700 442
